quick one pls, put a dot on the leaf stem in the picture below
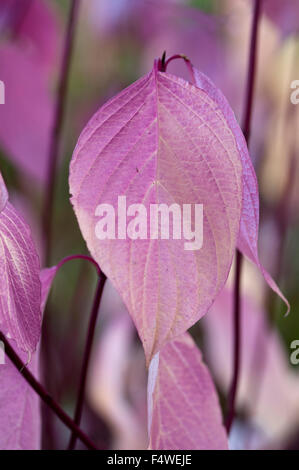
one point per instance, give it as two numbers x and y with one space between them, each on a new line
236 344
59 112
86 357
39 389
246 127
163 63
85 257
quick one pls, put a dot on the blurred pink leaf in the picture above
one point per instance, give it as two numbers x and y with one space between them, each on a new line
177 27
107 17
3 194
162 140
108 383
184 411
20 427
249 223
268 390
285 14
20 314
26 117
36 24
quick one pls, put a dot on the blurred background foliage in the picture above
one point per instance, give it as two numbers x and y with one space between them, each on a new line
116 42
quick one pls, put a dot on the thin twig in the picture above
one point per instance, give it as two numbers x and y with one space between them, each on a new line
237 343
246 125
47 214
39 389
86 358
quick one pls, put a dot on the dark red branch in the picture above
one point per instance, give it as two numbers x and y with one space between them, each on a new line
86 357
237 343
57 128
246 124
39 389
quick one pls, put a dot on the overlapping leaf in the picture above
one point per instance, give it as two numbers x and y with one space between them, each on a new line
162 140
26 117
20 290
249 223
184 411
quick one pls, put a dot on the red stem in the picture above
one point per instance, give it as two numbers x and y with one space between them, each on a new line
86 358
85 257
57 128
163 64
237 343
39 389
246 124
89 340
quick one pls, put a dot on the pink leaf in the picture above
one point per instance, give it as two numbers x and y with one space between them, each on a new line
19 407
20 314
108 382
26 117
249 224
184 411
3 194
42 27
162 140
284 14
20 427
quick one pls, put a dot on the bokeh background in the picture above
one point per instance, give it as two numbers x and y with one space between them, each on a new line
116 42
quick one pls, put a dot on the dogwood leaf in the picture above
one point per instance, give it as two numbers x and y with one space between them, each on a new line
184 411
20 290
20 427
249 223
162 140
116 364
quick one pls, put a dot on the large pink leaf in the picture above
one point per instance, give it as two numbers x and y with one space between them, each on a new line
249 224
20 290
19 407
184 411
3 194
26 117
162 140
